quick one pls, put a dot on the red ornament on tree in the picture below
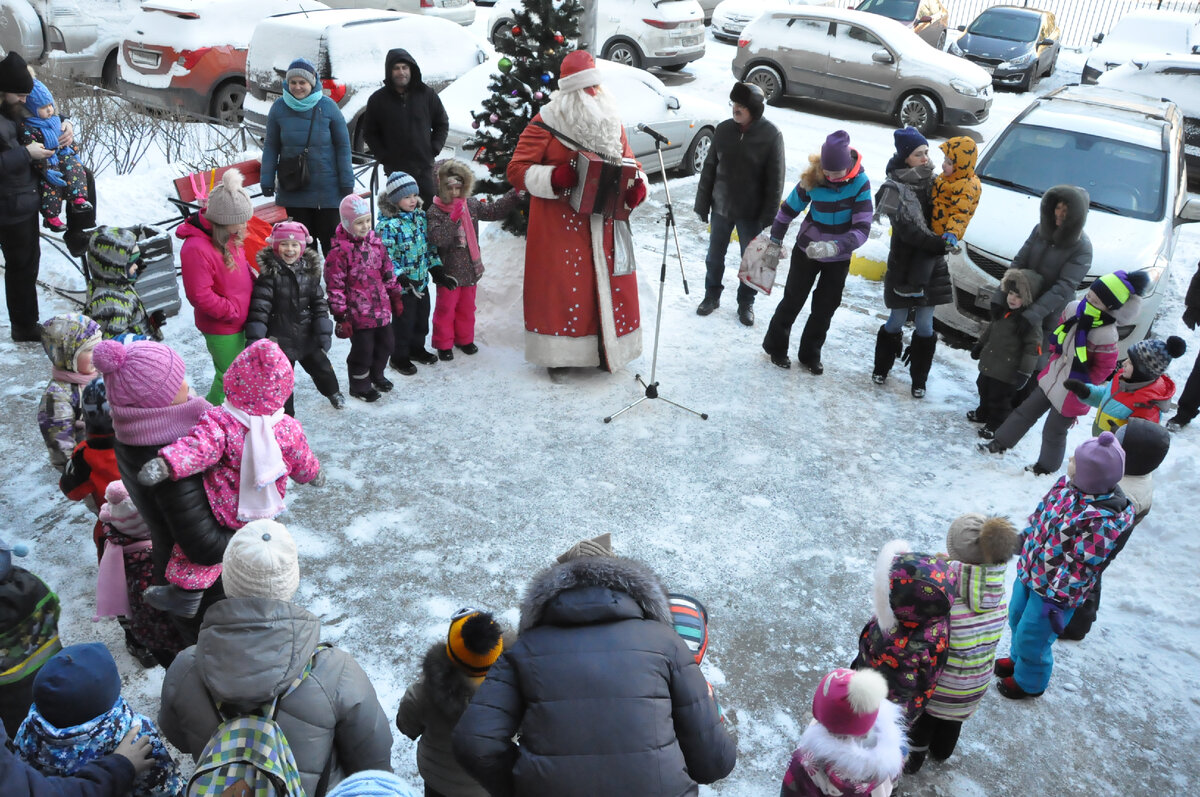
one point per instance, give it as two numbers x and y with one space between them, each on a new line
516 30
558 37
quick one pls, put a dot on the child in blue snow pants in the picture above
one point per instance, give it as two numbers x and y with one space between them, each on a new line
1032 639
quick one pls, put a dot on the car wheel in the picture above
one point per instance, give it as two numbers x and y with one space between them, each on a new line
767 79
110 72
919 111
941 42
697 153
1053 64
1030 80
675 67
227 102
623 52
502 30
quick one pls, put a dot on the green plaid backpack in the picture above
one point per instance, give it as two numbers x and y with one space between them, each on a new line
249 755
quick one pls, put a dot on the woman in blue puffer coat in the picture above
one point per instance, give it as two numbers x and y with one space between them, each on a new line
305 118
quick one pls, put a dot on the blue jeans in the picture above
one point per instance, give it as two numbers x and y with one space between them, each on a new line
718 245
922 317
1032 638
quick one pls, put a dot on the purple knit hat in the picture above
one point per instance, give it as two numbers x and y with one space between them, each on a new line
1099 464
835 152
140 374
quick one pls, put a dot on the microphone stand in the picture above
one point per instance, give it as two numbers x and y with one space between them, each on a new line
651 388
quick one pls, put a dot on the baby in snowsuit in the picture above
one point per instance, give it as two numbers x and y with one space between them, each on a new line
62 175
68 341
246 448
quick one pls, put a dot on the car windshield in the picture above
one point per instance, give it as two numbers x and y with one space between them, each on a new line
1121 178
900 10
1007 26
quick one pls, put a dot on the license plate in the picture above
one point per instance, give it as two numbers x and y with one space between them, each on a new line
453 3
144 58
689 41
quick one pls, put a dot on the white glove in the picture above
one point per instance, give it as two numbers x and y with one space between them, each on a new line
821 250
154 471
774 250
318 480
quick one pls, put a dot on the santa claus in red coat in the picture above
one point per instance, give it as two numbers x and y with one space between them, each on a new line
581 293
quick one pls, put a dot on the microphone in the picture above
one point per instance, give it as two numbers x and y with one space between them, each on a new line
654 134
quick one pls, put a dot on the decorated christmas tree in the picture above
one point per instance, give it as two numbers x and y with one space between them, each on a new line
531 52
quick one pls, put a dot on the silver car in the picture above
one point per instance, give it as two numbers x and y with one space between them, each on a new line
864 61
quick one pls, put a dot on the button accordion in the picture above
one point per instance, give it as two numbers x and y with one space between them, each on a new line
602 185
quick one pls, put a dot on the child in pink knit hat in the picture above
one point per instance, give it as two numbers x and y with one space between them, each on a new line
246 448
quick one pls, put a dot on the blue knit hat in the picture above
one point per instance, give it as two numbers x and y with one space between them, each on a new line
373 783
301 67
400 185
39 97
907 139
7 552
78 684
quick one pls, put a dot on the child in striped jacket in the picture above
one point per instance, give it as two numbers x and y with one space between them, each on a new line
979 549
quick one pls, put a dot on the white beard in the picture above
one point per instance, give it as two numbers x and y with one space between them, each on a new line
593 121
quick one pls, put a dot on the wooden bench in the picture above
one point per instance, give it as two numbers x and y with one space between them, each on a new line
192 187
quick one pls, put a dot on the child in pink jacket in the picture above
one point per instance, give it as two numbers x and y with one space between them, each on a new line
246 448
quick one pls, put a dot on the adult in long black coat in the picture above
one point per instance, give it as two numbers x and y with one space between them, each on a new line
405 125
1189 399
606 696
740 187
19 239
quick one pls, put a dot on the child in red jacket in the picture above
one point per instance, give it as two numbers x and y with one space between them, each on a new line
1139 389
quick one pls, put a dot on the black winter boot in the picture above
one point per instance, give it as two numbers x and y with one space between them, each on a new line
920 358
711 301
888 346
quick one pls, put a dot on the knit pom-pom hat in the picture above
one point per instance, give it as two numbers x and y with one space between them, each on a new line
1099 464
261 561
139 374
978 540
474 641
1151 357
847 701
400 185
229 202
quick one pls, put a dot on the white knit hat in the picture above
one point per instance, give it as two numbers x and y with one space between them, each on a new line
261 562
229 202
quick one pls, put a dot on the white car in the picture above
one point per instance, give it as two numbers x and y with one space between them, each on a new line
639 33
75 38
1141 32
1124 150
350 47
642 98
459 11
731 17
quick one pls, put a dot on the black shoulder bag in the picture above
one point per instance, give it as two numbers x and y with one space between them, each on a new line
292 173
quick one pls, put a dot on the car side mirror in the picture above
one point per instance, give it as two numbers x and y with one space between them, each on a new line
673 103
1190 211
925 20
1195 49
1099 37
963 28
1046 43
882 57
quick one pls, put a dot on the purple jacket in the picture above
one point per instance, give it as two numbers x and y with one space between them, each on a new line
360 280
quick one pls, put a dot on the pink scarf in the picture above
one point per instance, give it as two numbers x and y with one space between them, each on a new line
262 465
112 591
458 212
73 377
156 426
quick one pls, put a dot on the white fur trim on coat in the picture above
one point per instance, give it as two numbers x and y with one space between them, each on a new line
883 570
874 757
579 80
537 181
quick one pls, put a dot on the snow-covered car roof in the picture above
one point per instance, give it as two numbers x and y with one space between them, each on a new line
1174 78
1141 32
188 23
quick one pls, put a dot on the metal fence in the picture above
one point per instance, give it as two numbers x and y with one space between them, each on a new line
1079 20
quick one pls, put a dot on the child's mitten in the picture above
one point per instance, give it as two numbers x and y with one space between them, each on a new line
55 177
1077 387
440 277
1054 613
342 328
154 471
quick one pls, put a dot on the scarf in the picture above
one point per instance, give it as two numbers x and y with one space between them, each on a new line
1087 317
306 104
156 426
112 589
50 129
262 465
458 211
64 751
72 377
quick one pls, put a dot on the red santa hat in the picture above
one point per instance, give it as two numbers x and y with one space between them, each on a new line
578 72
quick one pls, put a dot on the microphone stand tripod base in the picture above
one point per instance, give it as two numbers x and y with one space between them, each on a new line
652 393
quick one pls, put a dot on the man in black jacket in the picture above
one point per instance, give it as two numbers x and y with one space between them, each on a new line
405 124
740 188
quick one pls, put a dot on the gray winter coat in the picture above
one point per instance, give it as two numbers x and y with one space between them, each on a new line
1009 346
249 651
1061 255
743 175
606 697
331 176
906 198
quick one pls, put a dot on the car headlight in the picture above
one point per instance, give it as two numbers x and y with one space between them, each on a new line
963 87
1022 60
954 49
1155 273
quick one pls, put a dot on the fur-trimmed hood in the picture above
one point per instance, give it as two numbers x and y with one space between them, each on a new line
270 264
1025 281
1077 200
453 168
847 759
912 589
614 573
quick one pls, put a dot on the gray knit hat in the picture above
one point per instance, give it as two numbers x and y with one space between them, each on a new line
304 68
978 540
1152 356
400 185
597 546
229 202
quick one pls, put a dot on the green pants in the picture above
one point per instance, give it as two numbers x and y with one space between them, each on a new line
223 349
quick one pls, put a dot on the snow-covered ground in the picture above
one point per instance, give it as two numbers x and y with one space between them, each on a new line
454 489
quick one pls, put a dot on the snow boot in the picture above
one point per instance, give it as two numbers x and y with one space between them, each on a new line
382 384
1009 688
780 360
916 758
469 348
745 314
338 401
405 367
423 356
920 358
976 416
174 600
1037 470
888 346
1004 667
711 301
445 354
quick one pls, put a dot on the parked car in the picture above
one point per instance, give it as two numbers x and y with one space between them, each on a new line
460 11
1017 45
1127 151
641 97
864 61
1140 33
730 17
190 55
929 19
75 40
349 47
1178 80
638 33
